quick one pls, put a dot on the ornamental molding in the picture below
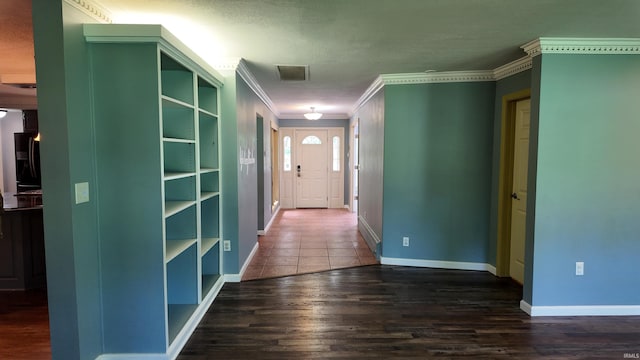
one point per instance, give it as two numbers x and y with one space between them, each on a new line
512 68
593 46
373 89
93 9
437 77
248 77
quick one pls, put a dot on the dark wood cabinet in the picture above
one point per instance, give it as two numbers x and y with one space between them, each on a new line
22 258
30 121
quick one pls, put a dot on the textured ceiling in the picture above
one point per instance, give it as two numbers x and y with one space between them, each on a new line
347 43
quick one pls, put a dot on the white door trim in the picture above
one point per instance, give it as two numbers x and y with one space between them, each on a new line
288 191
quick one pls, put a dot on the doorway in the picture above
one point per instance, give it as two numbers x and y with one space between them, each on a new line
312 180
312 167
512 187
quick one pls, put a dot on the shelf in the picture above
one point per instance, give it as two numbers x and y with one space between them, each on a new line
169 102
207 96
208 195
176 247
173 175
208 281
178 121
208 170
177 140
178 315
205 112
176 80
174 207
208 244
179 155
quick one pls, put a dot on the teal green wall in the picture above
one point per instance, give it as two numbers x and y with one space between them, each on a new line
67 148
587 187
248 173
536 72
437 170
128 154
506 86
371 153
241 107
229 171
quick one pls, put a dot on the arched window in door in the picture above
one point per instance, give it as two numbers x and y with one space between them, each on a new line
311 140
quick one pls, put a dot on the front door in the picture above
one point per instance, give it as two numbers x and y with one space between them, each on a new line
311 169
519 190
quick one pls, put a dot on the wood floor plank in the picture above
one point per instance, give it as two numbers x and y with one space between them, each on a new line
391 312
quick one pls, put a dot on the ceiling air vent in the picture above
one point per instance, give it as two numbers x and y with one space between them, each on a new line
293 72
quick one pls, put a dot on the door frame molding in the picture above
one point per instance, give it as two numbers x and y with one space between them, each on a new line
288 193
505 179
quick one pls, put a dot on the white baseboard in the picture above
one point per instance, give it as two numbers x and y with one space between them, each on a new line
581 310
524 306
191 325
182 337
133 357
492 269
238 277
346 206
453 265
368 234
266 228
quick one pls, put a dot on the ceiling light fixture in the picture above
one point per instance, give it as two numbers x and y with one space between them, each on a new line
3 113
313 115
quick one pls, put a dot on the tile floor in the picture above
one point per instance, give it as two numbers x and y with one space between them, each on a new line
309 240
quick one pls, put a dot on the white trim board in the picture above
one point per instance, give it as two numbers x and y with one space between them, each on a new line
238 277
92 8
266 229
591 46
581 310
133 357
438 264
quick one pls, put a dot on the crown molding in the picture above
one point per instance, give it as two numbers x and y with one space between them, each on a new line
226 65
437 77
367 95
594 46
93 9
512 68
420 78
248 77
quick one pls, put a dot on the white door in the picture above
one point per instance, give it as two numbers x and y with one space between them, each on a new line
519 190
311 169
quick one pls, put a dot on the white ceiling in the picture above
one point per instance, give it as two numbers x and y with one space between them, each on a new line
347 43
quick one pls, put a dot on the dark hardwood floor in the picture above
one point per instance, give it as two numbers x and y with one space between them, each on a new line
24 325
389 312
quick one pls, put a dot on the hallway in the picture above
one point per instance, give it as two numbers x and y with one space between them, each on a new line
309 240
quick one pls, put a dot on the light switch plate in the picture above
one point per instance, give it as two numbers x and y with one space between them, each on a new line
82 192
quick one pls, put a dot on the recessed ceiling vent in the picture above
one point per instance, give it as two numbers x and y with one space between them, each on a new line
293 72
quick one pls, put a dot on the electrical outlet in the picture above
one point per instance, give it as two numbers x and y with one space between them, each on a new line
405 241
579 268
226 245
82 192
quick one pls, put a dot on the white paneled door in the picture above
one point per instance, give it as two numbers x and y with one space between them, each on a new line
519 190
311 168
